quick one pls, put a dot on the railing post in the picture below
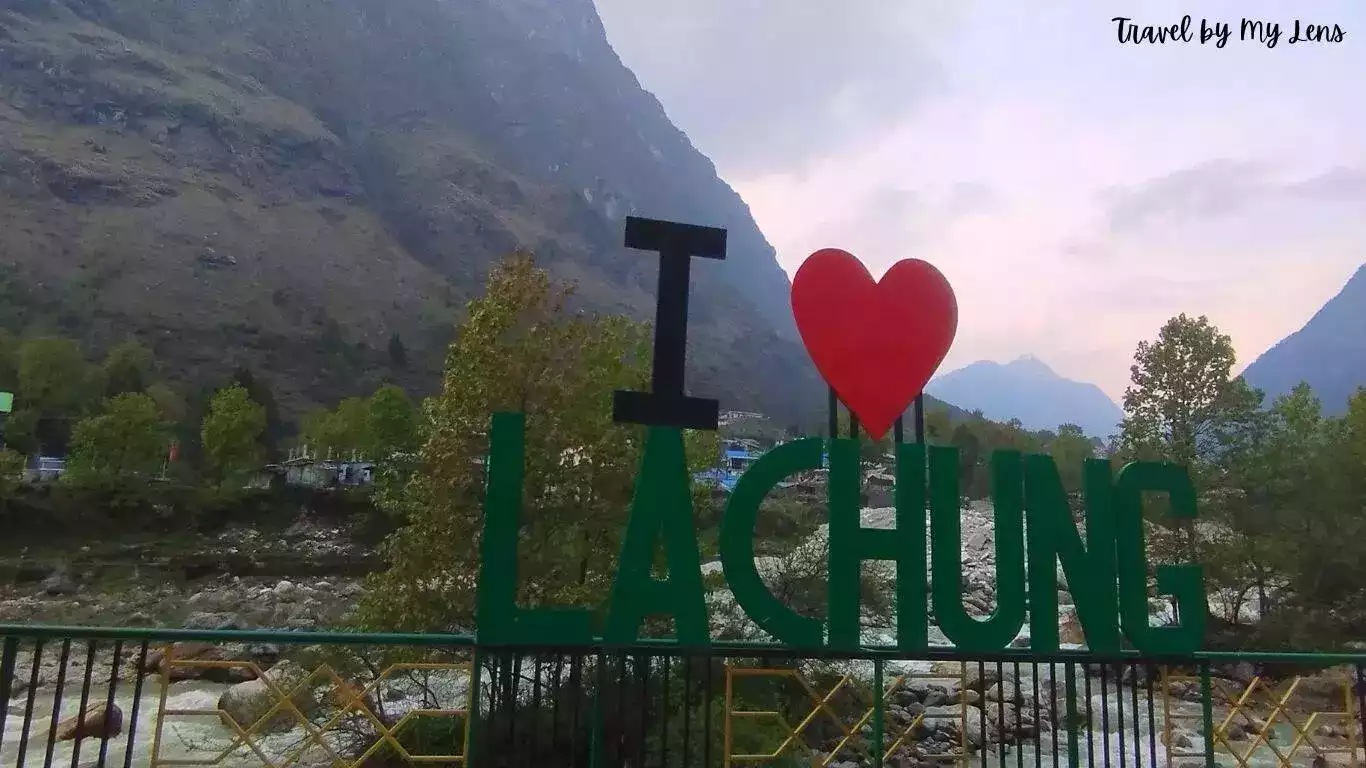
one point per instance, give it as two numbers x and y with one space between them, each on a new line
1207 707
877 713
595 735
6 673
1073 742
472 715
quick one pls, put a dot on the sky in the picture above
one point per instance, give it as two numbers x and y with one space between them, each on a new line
1075 190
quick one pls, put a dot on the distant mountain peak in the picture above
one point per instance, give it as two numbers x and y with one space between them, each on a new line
1028 390
1326 353
1031 364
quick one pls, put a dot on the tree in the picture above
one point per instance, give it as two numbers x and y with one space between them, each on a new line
518 348
339 432
392 426
128 437
129 367
1182 404
260 393
232 431
53 377
1070 449
971 462
172 406
398 354
9 361
870 451
54 389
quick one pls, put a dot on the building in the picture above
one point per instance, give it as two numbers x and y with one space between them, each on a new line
303 470
44 469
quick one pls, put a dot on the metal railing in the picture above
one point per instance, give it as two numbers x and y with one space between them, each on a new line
132 697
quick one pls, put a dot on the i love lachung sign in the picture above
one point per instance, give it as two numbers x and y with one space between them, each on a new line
876 343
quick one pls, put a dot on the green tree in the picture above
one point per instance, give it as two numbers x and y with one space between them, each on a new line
128 437
172 406
129 367
1070 449
870 451
518 348
54 377
1182 403
392 423
398 353
972 476
340 432
9 361
55 389
231 432
260 393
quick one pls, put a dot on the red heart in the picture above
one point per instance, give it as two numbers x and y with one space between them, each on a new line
875 342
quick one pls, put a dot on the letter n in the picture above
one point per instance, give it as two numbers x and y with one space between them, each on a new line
1053 539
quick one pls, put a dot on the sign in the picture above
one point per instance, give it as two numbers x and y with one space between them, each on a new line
1107 570
6 402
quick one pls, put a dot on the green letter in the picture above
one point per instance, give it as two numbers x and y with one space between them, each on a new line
498 619
737 544
967 633
1186 583
851 544
662 507
1053 538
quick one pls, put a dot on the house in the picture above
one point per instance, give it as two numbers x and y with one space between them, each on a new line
303 470
44 469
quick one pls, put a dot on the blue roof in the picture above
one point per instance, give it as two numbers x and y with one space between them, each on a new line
733 454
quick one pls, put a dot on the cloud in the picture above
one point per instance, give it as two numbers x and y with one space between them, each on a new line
1226 191
759 85
1212 189
1335 185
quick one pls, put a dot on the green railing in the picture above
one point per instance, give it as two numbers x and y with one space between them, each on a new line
270 698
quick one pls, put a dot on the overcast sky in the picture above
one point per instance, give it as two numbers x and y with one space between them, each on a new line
1077 192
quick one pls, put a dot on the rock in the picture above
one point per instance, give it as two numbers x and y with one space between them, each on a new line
978 677
1243 672
214 621
59 584
94 722
1008 694
141 619
248 702
950 718
1182 739
1064 597
971 697
285 589
19 684
1069 630
203 652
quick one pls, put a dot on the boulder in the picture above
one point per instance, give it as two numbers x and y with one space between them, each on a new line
59 583
948 719
203 652
213 621
248 702
94 722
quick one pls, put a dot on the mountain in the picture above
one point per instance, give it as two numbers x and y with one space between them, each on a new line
285 185
1030 391
1329 352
